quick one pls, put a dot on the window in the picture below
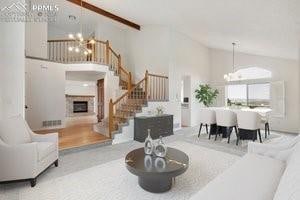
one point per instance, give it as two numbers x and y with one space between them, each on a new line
237 94
253 95
259 95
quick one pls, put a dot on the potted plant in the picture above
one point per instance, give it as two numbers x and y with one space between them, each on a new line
206 95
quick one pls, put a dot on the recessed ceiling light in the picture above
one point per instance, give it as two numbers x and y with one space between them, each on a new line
72 17
85 85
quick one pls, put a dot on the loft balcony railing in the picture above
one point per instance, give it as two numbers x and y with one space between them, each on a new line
101 53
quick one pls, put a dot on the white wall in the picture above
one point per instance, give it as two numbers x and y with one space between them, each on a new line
106 30
45 92
12 65
163 51
282 70
36 39
78 88
148 49
186 111
188 58
36 35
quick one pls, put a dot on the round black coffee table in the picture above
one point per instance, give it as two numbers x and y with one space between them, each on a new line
155 174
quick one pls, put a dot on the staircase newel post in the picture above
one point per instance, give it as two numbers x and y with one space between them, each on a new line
119 64
107 53
110 118
146 85
129 81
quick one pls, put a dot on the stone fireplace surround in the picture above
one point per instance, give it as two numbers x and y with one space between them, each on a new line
69 105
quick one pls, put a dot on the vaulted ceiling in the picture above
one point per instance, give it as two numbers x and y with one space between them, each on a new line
263 27
268 27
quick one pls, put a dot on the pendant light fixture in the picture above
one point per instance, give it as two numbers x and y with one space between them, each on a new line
233 75
80 44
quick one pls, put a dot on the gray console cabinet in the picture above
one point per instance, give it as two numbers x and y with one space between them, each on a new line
161 125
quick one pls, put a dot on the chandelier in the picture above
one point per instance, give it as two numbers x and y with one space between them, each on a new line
232 76
81 45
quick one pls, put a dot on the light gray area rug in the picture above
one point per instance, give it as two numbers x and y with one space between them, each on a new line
112 181
221 143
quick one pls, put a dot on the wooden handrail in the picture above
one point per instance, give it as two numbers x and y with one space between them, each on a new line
113 52
100 41
70 40
124 70
160 76
129 91
151 88
61 40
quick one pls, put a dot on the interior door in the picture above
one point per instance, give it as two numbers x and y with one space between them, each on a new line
100 85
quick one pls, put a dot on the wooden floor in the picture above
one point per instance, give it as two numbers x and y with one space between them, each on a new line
77 135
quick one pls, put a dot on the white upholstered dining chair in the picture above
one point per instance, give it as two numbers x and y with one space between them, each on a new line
207 118
24 155
226 118
265 122
249 121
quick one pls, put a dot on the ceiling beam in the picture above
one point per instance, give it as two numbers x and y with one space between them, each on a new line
106 13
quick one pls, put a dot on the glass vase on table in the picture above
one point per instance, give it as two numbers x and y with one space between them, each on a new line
149 146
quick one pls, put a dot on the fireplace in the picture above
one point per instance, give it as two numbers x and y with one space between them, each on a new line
80 106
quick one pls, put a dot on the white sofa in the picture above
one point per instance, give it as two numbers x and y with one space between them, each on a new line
24 155
266 172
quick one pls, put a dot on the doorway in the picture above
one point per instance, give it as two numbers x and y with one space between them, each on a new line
100 89
186 101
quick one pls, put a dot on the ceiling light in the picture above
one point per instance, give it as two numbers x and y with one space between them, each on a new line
92 41
232 76
85 85
79 35
79 43
71 36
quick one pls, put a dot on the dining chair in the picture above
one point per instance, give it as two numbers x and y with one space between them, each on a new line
265 122
227 119
248 124
207 118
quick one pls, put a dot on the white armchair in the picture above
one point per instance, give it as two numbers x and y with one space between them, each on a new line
24 155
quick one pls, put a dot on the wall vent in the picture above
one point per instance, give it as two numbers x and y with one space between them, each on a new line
52 123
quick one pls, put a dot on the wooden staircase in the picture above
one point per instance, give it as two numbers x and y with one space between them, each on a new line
151 88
